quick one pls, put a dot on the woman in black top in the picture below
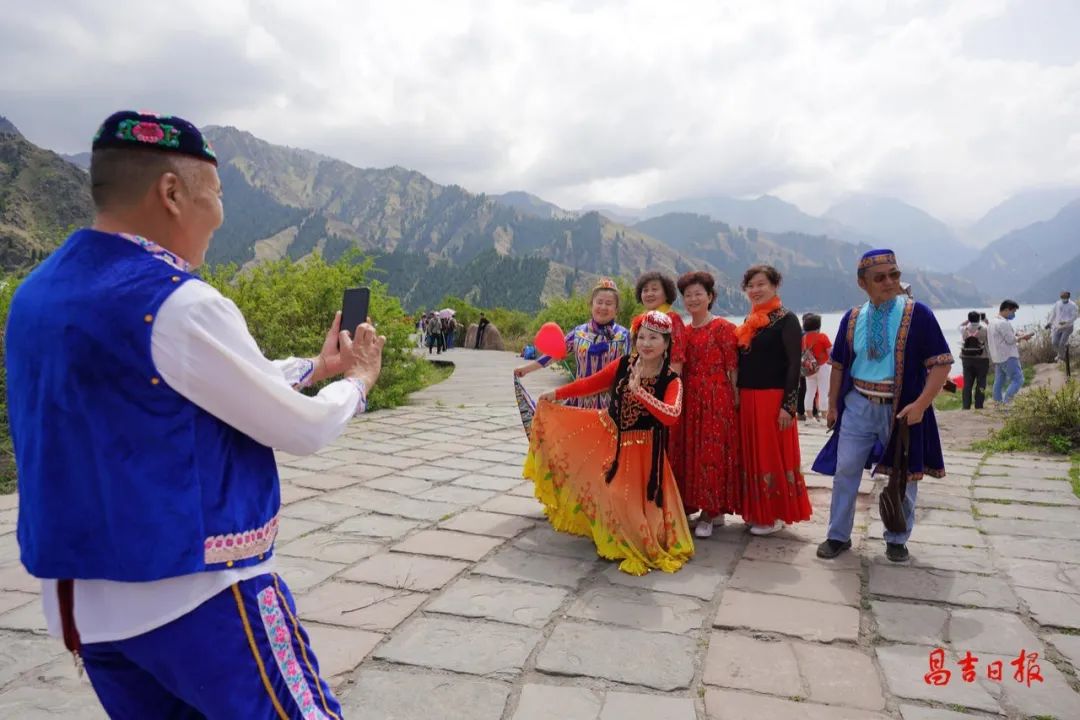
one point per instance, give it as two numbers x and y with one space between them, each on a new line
770 351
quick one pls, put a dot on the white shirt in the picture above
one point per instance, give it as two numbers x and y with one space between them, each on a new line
1064 314
1002 340
202 348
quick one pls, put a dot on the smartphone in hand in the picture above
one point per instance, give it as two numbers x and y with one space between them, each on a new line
354 308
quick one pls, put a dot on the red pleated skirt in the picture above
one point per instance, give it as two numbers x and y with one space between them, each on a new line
773 487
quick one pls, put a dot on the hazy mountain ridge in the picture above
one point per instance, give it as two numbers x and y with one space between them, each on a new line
42 197
819 272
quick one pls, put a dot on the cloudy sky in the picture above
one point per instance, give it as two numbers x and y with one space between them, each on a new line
950 105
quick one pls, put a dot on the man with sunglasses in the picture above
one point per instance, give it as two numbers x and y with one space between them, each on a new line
889 360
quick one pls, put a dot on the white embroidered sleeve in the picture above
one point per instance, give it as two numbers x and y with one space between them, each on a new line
202 349
298 372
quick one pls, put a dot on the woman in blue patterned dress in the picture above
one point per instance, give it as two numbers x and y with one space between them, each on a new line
594 344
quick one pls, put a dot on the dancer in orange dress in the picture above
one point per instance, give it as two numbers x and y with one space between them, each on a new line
704 446
604 474
770 351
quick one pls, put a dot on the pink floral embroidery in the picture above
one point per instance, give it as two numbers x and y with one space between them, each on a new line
277 631
241 545
148 132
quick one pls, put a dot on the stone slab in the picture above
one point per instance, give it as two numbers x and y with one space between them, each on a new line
391 504
1052 609
302 574
488 482
942 586
807 582
904 668
910 623
403 695
1021 511
1053 576
331 547
989 631
457 495
733 705
636 706
340 650
484 523
641 609
364 607
544 539
635 657
922 712
938 535
693 579
1062 496
291 528
433 473
318 510
946 557
807 619
773 549
557 702
1051 698
407 572
502 601
1067 645
544 569
840 676
514 505
746 663
292 493
448 544
1031 528
377 526
333 481
48 703
20 652
476 648
400 485
1036 548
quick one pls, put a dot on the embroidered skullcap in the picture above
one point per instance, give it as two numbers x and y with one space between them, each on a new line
877 257
653 320
165 133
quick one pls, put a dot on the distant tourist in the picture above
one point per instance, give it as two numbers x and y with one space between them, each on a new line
814 365
449 329
656 291
770 341
1062 321
1002 342
604 474
975 357
594 344
905 288
481 328
434 335
890 359
705 442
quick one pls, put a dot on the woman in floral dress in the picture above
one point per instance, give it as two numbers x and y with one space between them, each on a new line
593 345
604 474
704 446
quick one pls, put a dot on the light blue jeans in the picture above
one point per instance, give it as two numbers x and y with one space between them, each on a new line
1010 373
864 424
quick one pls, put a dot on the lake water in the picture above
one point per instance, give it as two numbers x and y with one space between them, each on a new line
950 320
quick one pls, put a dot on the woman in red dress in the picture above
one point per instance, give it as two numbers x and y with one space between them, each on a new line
656 291
704 445
770 352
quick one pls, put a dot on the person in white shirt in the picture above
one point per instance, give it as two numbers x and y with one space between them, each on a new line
1005 352
144 419
1062 321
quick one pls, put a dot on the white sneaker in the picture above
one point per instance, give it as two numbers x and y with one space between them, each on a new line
767 529
703 530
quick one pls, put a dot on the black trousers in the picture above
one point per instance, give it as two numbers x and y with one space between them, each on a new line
975 372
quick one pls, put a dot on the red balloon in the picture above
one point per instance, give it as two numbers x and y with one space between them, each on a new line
958 380
551 341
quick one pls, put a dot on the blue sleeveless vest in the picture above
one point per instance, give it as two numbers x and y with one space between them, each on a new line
120 477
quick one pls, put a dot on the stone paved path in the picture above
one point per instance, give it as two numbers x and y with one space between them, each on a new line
434 591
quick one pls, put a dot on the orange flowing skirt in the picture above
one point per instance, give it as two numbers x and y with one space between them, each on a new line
773 484
570 450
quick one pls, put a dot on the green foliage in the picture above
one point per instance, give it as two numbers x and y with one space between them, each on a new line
1074 474
289 306
7 453
1040 418
1037 350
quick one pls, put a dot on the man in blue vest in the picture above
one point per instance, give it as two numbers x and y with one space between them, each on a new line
143 416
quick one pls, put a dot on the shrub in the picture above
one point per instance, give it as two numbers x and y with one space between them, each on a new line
289 305
7 452
1045 419
1038 349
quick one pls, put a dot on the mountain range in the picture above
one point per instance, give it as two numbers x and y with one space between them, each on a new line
429 240
42 197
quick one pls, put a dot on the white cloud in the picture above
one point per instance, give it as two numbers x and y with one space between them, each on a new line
628 102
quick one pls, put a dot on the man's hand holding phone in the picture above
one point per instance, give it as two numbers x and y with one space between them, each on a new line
365 355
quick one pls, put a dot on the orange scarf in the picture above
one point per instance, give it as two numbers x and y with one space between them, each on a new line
757 319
